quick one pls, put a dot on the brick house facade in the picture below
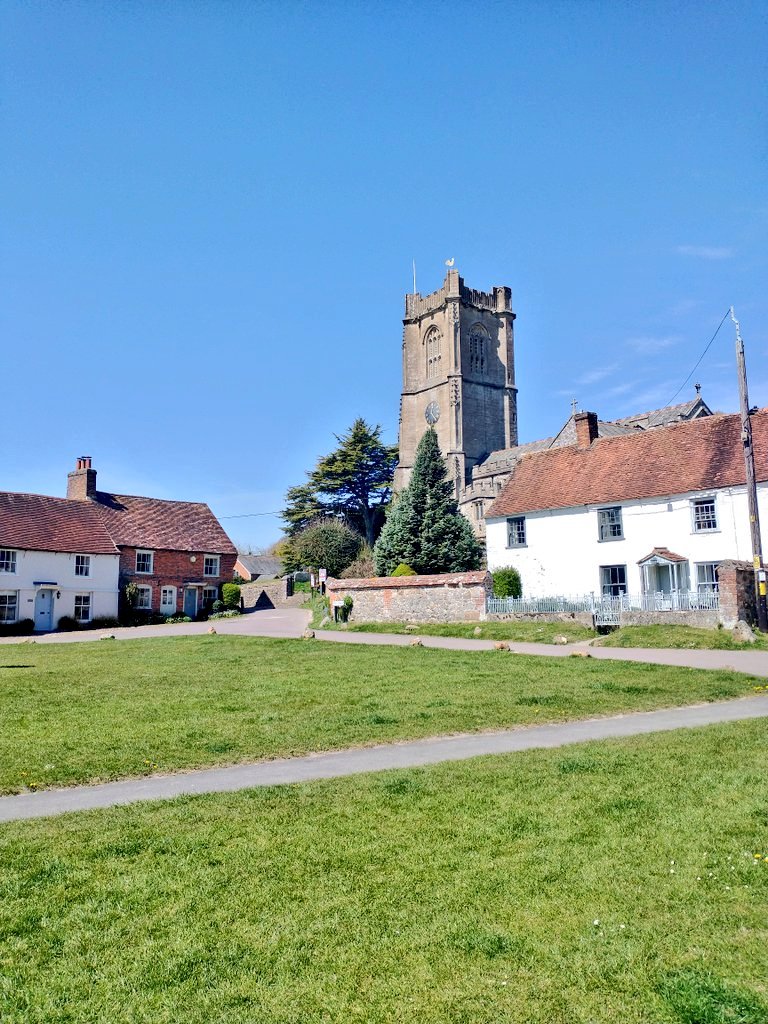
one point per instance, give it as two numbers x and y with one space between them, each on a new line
175 552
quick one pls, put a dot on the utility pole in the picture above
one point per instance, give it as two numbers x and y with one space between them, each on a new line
749 463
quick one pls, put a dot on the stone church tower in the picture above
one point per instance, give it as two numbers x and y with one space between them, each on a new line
459 376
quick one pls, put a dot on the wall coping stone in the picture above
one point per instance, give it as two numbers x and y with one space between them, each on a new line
444 579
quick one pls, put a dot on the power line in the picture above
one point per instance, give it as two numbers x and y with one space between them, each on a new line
250 515
725 316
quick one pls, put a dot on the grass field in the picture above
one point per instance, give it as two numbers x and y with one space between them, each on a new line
522 632
680 636
90 711
588 885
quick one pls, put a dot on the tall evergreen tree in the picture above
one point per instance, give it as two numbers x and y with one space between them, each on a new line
357 477
424 528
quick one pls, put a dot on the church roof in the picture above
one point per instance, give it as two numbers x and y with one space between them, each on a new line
693 455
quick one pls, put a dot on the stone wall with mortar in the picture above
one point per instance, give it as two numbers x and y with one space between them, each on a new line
257 596
700 619
447 597
736 583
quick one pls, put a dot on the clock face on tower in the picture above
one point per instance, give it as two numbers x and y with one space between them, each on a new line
432 413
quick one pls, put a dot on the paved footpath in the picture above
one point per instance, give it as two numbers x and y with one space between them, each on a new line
291 622
341 763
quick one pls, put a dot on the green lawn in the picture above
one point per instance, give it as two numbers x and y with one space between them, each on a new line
680 636
596 884
88 711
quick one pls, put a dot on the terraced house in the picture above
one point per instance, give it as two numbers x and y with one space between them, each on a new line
649 513
70 556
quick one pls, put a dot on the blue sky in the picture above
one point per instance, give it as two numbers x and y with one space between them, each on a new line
209 212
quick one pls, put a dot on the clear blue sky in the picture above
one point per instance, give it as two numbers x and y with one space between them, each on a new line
209 212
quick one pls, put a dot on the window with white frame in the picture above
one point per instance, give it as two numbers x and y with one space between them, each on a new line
609 523
7 560
144 598
211 565
83 607
144 562
613 580
704 514
9 604
706 577
210 594
82 565
516 532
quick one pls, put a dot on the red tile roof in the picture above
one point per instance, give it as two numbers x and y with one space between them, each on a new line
34 522
159 524
665 553
695 455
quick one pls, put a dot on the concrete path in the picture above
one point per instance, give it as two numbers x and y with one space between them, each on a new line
275 622
291 623
341 763
752 662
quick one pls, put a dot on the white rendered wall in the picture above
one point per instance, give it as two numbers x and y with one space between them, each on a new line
563 555
54 567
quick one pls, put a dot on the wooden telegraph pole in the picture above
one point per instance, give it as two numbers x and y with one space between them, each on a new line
749 463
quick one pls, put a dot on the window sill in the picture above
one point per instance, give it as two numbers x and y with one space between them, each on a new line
609 540
516 547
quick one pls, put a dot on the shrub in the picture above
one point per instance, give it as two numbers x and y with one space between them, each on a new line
217 606
66 623
21 628
403 570
102 622
362 567
231 614
178 618
230 595
507 583
327 544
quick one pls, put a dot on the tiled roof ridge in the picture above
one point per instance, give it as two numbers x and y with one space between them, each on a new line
146 497
654 412
568 481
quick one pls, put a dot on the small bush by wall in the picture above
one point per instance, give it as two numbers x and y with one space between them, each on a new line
230 595
507 582
21 628
404 570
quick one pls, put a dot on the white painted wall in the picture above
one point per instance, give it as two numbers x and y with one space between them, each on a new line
563 554
58 568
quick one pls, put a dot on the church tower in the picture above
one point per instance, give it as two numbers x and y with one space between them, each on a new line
458 376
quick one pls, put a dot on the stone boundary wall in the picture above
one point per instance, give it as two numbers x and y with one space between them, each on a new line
736 583
699 620
447 597
582 618
257 596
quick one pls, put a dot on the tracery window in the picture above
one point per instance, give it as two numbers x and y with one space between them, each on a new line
432 341
477 346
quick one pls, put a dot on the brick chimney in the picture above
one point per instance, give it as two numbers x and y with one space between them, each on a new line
586 428
81 482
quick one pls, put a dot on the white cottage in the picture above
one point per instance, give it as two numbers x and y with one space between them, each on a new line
56 559
646 513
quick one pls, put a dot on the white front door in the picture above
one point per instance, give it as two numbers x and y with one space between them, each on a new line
168 601
44 609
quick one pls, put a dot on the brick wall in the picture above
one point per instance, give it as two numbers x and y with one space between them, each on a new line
736 582
448 597
174 569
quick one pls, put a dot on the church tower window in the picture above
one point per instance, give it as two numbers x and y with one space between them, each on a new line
477 349
433 340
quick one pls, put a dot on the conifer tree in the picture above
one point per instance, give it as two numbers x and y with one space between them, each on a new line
424 528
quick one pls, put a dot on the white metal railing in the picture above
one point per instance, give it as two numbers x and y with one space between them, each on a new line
607 605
